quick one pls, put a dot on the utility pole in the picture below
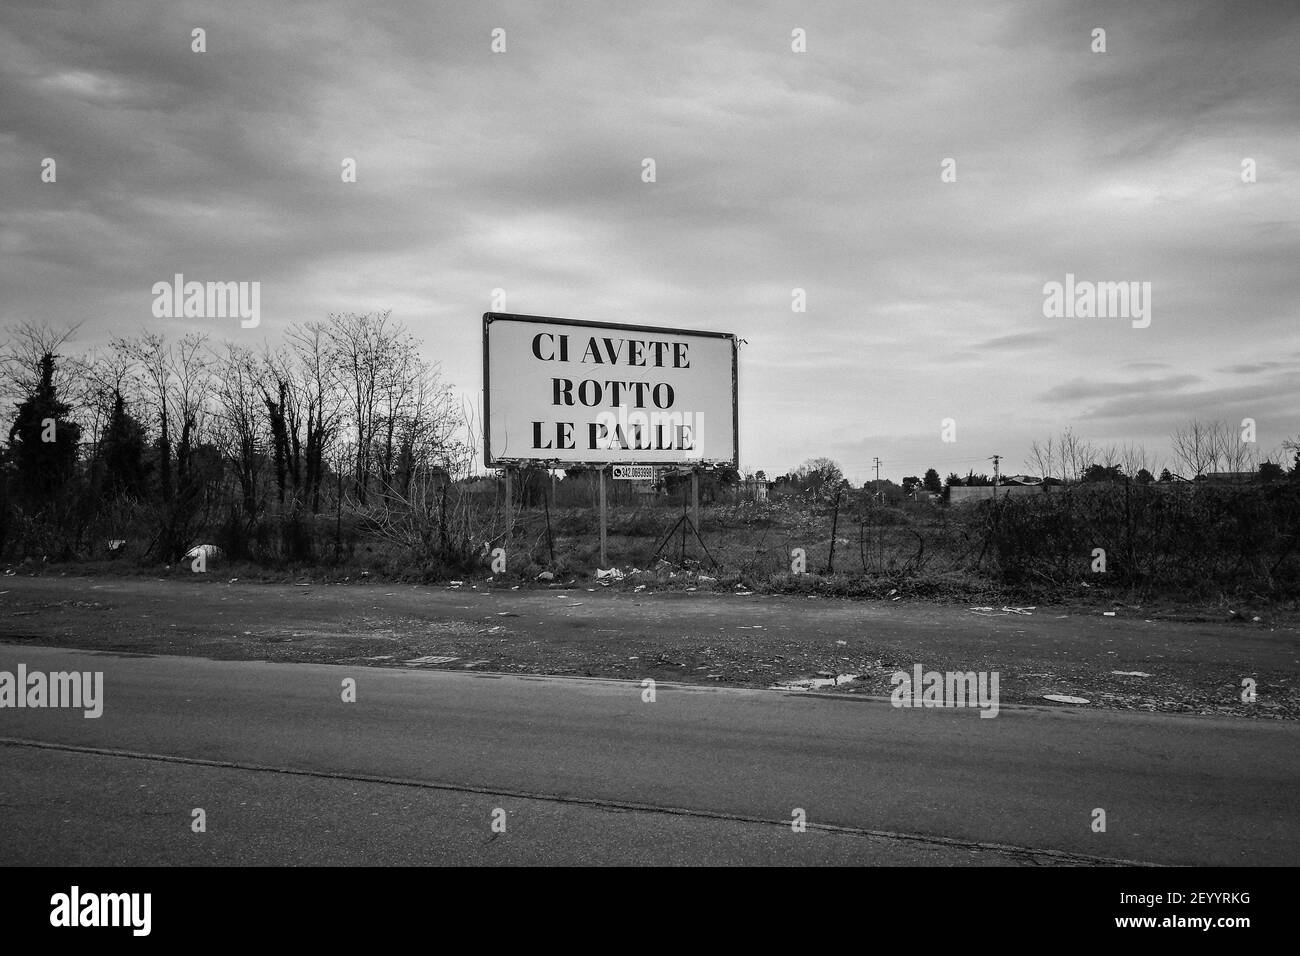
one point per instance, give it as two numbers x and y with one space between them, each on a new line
875 512
995 459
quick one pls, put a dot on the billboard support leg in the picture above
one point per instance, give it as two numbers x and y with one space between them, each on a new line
695 496
687 522
510 507
602 517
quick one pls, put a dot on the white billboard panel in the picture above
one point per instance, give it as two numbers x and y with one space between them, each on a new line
566 392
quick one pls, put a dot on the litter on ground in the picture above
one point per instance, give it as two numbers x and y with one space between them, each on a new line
813 683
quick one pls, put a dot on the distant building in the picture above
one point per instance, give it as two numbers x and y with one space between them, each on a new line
754 489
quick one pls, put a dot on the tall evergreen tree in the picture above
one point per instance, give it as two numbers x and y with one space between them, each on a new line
122 449
43 440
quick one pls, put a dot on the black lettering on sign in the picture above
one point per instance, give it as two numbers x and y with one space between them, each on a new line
634 352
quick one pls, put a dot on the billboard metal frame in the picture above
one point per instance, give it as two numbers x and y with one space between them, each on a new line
491 462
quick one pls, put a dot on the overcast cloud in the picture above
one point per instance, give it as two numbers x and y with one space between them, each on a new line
775 170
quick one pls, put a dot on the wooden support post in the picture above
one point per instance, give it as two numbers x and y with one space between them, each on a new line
695 498
510 510
603 561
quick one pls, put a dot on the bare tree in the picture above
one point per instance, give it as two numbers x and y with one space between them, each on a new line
107 374
362 348
151 355
1235 454
239 420
1196 447
1133 459
176 382
1042 460
1108 456
309 373
191 376
20 359
1075 455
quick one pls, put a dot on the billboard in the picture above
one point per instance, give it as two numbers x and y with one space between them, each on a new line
567 392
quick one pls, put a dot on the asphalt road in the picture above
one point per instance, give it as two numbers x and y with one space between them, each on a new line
587 771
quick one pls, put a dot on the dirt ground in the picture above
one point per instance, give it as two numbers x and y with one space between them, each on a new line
1135 659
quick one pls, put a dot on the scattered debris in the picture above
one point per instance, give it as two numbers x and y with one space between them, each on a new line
209 552
546 576
1066 699
612 574
842 643
1131 673
1107 613
813 683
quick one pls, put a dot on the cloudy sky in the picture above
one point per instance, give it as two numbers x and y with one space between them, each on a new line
775 170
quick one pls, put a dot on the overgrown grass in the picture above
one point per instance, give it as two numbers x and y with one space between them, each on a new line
1198 544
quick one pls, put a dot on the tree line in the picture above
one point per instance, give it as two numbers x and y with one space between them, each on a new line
167 437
